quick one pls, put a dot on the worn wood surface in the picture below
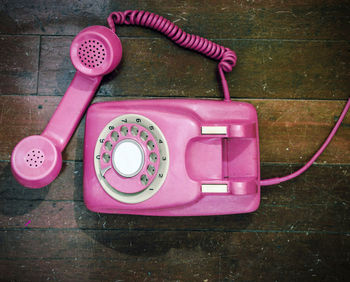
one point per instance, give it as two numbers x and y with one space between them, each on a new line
324 207
293 66
176 256
290 130
157 67
301 19
307 218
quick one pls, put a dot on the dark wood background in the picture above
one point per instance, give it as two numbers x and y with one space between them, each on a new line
293 65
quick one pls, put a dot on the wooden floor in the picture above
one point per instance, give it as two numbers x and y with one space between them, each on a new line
293 65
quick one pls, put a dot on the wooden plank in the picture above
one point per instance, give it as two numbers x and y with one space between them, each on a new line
290 130
316 201
105 255
67 187
288 53
28 115
320 185
56 214
224 19
19 64
292 125
157 67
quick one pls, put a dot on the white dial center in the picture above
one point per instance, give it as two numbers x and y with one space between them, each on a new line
128 158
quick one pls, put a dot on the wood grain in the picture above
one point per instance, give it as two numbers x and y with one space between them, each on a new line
321 185
293 66
19 64
290 131
323 217
219 19
307 218
313 202
163 255
157 67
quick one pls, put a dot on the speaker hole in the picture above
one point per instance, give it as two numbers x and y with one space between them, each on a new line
124 130
144 135
150 145
115 136
151 170
144 179
134 130
108 146
106 157
153 157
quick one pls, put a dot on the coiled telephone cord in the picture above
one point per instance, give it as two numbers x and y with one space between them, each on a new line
226 57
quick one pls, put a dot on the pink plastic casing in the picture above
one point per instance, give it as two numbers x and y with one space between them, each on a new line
195 159
36 160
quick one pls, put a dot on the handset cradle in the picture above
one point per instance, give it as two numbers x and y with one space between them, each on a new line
204 157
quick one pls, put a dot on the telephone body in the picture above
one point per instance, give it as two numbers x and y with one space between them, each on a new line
152 157
198 157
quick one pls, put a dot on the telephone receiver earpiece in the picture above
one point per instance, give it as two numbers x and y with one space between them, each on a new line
37 160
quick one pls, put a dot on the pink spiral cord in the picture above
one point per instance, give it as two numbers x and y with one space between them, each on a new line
226 56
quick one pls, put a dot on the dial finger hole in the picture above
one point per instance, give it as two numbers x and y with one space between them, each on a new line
153 157
115 136
144 135
106 157
124 130
151 170
108 146
144 179
150 145
134 130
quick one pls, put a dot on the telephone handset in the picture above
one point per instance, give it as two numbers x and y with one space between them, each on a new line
167 157
36 160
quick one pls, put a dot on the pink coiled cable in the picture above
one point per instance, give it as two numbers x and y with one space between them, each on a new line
226 56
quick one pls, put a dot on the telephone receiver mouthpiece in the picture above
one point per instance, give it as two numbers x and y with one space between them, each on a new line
37 160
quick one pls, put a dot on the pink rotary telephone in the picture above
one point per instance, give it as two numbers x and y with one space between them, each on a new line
161 157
